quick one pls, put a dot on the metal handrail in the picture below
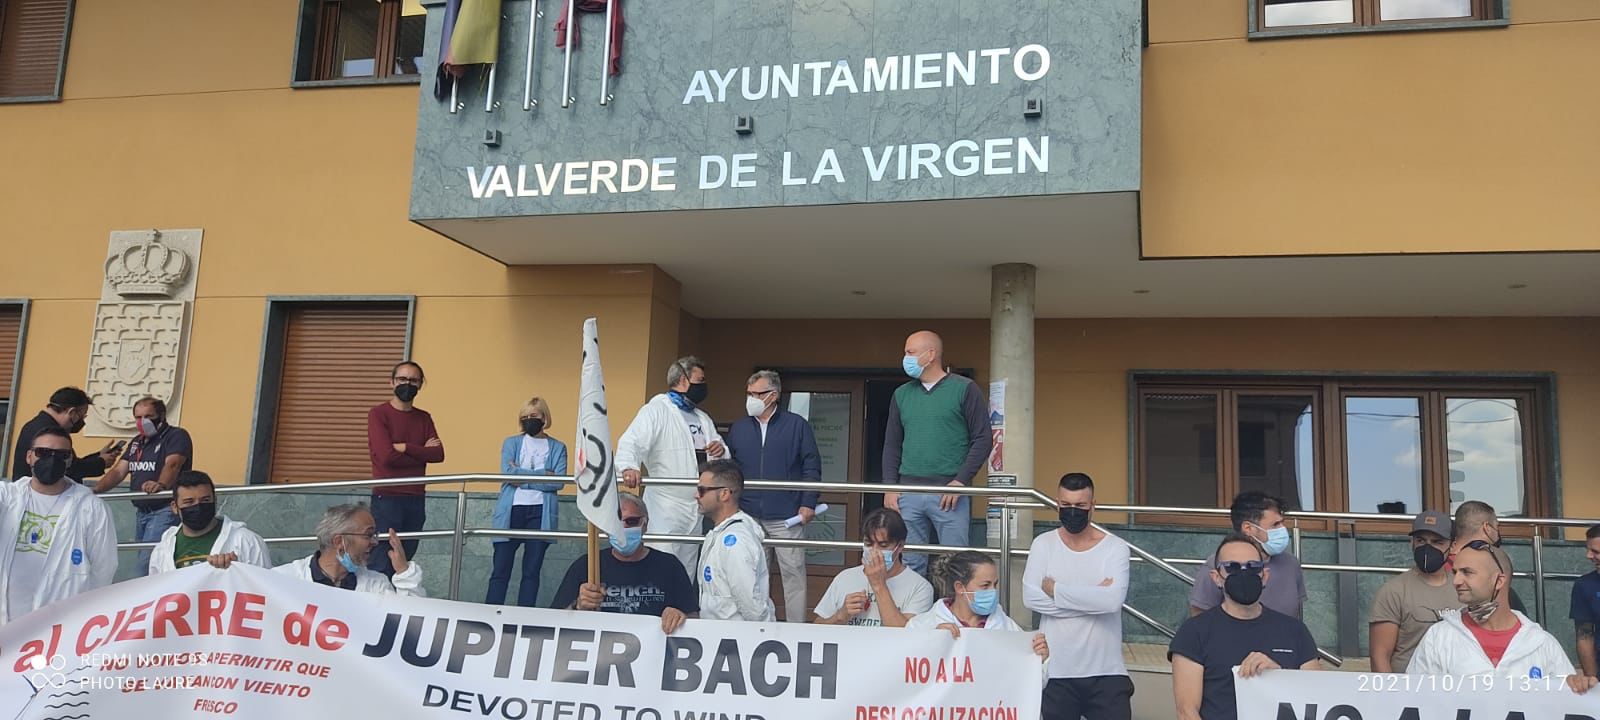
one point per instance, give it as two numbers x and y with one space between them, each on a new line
1538 525
1009 497
1006 498
1535 522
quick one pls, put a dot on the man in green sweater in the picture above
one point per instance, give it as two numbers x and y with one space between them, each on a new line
938 434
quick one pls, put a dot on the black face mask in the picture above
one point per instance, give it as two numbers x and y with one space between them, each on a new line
1243 587
697 393
198 517
77 425
49 469
532 426
1429 559
1075 520
406 392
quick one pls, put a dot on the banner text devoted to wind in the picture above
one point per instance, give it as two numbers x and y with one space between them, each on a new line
252 643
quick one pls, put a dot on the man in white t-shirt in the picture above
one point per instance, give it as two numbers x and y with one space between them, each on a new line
1077 579
881 590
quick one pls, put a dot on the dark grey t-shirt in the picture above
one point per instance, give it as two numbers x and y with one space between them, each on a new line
1285 591
1218 641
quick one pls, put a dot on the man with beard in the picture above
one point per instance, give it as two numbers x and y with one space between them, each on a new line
68 409
1486 636
402 442
1586 604
346 536
1411 602
56 537
202 535
1077 579
1239 632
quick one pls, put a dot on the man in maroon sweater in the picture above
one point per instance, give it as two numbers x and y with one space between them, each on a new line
402 441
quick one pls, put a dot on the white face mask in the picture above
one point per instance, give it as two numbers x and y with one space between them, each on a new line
754 406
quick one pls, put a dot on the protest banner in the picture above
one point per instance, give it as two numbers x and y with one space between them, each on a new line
1305 695
253 643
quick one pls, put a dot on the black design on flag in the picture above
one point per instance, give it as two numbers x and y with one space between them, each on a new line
596 476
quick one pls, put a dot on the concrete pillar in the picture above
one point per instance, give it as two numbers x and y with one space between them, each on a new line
1011 307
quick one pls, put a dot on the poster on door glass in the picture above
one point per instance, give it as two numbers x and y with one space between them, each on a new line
829 414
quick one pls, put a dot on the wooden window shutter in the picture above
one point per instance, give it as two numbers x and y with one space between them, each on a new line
10 336
336 362
33 36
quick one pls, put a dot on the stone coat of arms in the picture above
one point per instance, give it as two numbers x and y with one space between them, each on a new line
141 326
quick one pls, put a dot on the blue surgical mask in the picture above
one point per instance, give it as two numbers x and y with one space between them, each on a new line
349 565
984 602
911 366
629 541
888 559
1277 541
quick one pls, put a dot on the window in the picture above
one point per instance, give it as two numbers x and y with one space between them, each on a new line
12 321
1391 446
360 39
326 364
33 48
1281 14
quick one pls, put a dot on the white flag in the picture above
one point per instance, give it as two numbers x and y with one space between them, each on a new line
596 473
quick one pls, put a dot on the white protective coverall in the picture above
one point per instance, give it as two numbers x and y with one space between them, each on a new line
83 550
658 444
1448 648
733 578
367 581
234 538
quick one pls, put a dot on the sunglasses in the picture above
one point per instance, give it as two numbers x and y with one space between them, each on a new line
1485 546
633 522
42 453
701 490
1249 566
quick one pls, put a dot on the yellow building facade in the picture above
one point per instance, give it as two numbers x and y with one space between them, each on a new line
1335 216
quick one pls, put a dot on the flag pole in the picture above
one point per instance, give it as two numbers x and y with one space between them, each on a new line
594 554
566 69
528 100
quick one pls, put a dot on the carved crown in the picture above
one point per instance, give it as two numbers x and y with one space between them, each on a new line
148 267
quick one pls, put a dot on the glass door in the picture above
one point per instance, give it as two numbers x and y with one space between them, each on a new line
834 409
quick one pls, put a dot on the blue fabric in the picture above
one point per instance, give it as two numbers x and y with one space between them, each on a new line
402 513
790 453
555 464
1586 601
926 524
523 517
148 526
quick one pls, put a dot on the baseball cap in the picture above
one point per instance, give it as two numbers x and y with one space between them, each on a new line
1433 521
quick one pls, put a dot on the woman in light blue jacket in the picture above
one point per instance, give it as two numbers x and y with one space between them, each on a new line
526 506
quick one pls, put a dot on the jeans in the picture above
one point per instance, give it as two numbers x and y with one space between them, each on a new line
402 513
148 526
523 517
927 524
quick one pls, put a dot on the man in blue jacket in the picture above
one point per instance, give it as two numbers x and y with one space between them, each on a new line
775 444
